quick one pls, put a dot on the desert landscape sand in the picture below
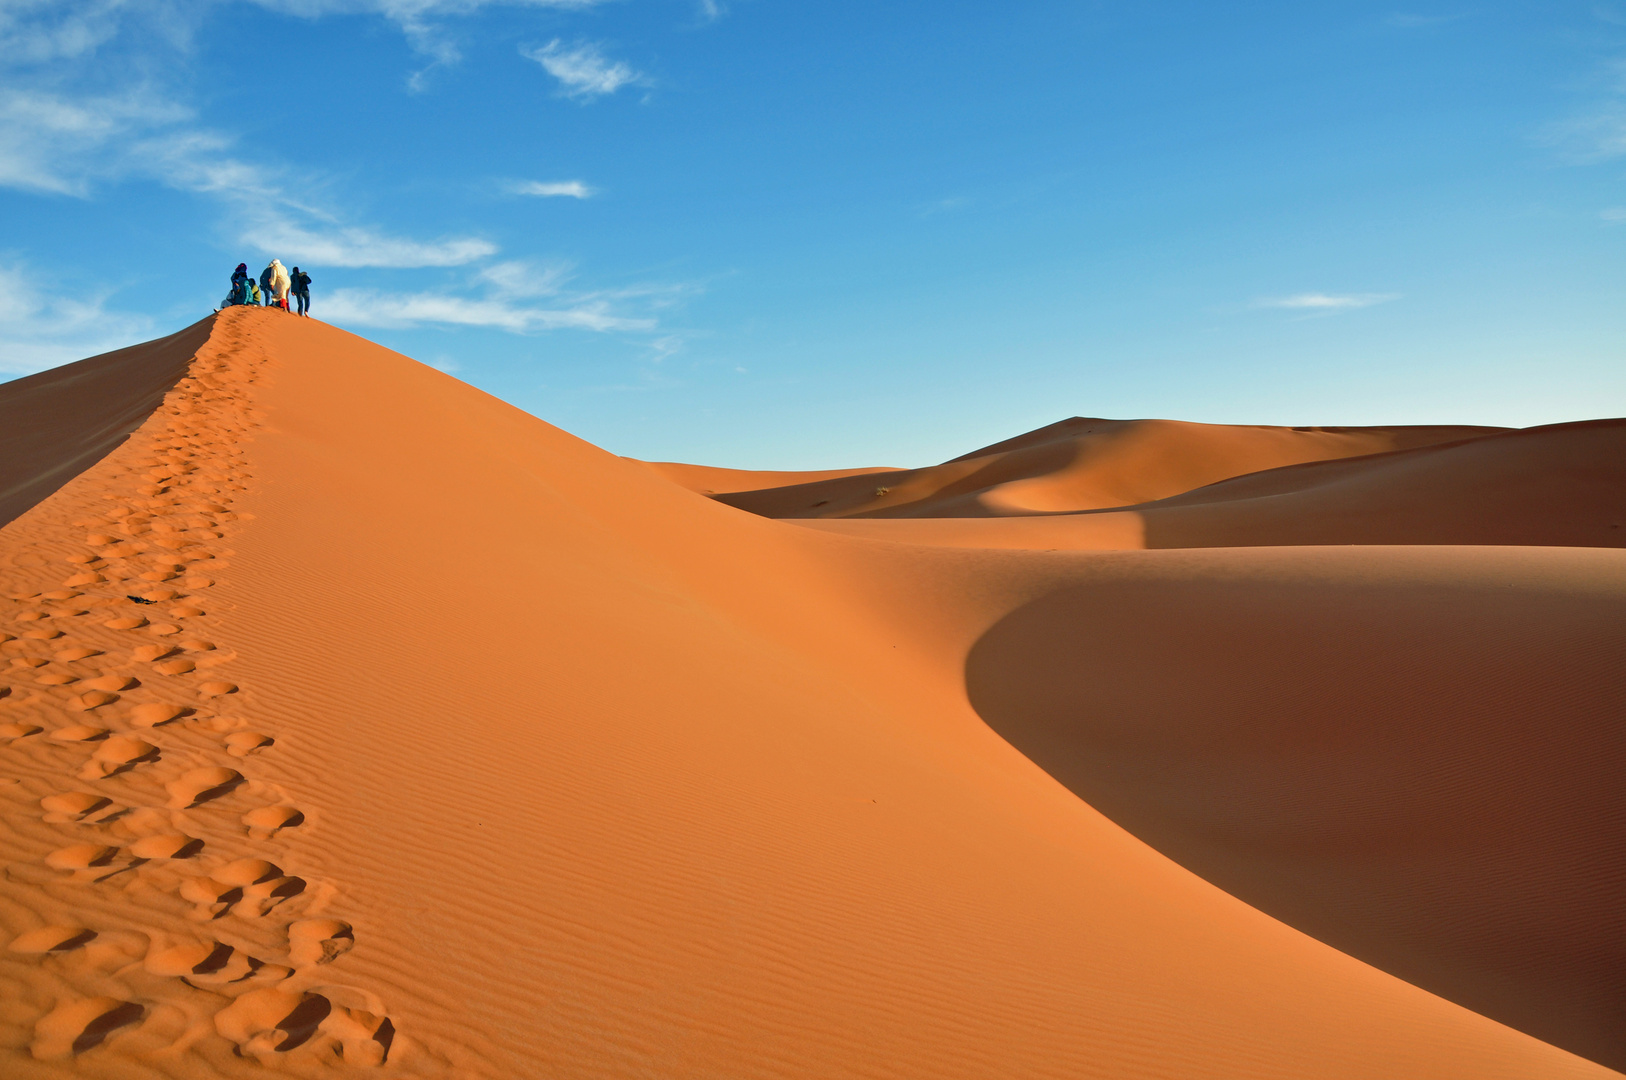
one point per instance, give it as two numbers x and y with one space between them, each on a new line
354 720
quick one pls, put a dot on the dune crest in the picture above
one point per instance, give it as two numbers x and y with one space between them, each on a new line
581 773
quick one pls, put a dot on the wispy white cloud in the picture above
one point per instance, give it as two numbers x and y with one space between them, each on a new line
712 10
1597 136
62 145
1615 215
365 307
582 69
1325 302
572 189
40 329
521 297
58 144
349 246
518 277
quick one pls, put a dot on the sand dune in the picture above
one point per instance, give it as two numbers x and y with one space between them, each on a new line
480 752
1079 464
1554 486
707 480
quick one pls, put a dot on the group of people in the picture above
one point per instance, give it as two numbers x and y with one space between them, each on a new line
272 289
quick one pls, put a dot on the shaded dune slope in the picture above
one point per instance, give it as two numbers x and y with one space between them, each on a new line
604 778
60 422
1419 767
1080 464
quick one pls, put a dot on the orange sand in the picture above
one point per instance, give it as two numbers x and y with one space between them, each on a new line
476 751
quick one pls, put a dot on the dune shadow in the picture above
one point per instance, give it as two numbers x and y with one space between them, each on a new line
1424 778
56 424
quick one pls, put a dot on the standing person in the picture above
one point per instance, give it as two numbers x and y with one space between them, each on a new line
279 284
239 285
302 291
265 283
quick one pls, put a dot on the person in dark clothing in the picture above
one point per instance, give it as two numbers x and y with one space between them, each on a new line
302 291
239 283
265 284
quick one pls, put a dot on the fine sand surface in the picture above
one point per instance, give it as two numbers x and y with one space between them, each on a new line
447 744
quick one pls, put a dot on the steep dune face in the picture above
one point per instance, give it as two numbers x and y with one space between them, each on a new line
1413 755
512 758
1081 464
60 422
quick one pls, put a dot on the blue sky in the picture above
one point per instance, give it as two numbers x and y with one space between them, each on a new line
773 235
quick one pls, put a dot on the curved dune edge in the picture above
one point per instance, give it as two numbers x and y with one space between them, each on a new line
597 778
1077 465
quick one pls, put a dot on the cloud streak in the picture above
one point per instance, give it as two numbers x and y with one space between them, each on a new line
1325 303
364 307
571 189
583 70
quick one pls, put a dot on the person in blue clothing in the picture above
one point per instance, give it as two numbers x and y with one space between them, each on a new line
239 286
302 291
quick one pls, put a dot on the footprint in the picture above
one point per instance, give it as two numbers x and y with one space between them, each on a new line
212 964
200 786
253 887
79 733
319 941
217 689
264 1023
70 655
149 653
81 806
243 743
89 862
266 821
175 846
44 634
19 731
197 645
52 939
163 629
112 683
28 662
185 612
56 678
174 667
82 1025
153 714
125 623
93 699
118 754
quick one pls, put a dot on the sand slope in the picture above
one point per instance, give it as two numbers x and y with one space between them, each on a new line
1080 464
582 774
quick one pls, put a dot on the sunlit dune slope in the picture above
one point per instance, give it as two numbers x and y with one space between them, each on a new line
597 777
1560 485
707 480
1080 464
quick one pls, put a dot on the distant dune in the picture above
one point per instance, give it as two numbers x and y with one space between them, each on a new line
355 721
